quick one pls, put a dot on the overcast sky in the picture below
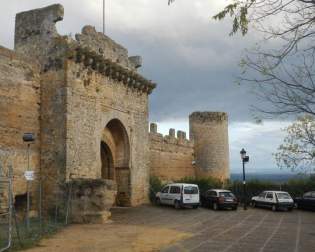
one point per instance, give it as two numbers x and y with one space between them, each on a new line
190 56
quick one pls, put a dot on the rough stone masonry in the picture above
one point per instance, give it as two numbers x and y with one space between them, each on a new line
88 107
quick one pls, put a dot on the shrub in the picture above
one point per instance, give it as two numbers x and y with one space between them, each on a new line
155 186
204 184
253 188
295 187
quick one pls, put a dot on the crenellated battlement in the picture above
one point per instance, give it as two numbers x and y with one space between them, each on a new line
203 117
36 36
171 156
107 48
178 139
112 70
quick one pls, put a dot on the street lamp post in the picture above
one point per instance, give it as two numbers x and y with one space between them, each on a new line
28 138
244 160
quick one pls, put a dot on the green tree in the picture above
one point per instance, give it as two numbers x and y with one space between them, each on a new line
298 150
281 67
283 72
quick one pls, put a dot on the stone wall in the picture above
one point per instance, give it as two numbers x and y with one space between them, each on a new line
86 84
170 157
209 131
19 113
35 33
53 131
94 100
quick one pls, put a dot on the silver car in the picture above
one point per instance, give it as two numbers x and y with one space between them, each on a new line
275 200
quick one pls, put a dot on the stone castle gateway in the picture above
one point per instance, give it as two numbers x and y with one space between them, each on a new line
88 107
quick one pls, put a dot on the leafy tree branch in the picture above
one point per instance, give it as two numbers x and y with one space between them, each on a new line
298 150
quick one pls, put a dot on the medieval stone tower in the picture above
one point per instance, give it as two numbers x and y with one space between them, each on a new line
205 154
209 132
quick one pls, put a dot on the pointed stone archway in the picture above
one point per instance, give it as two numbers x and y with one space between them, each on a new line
108 171
115 157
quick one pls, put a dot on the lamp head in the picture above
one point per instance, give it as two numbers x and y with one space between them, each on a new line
243 153
28 137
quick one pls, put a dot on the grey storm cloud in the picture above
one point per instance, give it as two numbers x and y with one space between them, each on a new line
190 56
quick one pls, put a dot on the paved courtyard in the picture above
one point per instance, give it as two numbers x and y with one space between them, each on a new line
150 228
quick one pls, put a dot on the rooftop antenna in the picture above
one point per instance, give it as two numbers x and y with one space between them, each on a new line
103 16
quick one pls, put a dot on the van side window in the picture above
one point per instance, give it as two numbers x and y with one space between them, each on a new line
165 189
175 189
213 194
307 195
269 196
191 190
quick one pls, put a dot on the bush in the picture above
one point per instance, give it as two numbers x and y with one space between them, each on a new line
295 187
253 188
204 184
155 186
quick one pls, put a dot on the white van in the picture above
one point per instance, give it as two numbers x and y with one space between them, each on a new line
179 195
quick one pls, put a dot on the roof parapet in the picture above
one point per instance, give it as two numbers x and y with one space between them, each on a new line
110 69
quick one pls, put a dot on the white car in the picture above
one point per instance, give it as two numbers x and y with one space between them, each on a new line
274 200
179 195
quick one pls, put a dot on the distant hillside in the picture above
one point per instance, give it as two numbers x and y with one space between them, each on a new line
267 177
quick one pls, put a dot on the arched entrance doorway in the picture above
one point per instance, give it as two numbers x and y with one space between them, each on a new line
115 156
107 161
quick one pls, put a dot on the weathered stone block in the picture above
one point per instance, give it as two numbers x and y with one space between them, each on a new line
92 200
153 128
171 133
135 61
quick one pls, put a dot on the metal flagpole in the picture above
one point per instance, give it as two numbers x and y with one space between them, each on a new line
103 16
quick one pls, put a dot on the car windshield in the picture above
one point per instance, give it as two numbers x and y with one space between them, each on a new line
226 194
283 196
191 190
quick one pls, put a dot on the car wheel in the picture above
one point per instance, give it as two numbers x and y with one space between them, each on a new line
195 207
290 209
254 204
177 204
215 206
274 208
158 201
234 208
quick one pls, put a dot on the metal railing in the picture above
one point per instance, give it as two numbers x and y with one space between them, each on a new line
6 209
23 220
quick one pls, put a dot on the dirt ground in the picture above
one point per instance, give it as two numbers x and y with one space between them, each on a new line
150 228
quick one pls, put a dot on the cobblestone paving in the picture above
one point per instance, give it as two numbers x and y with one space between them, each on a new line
252 230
